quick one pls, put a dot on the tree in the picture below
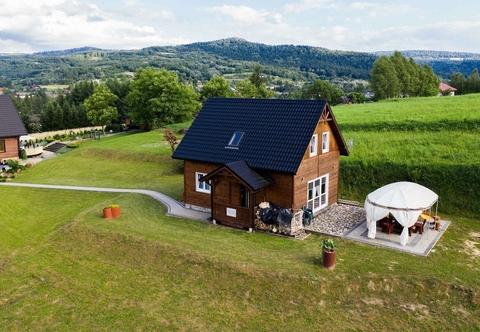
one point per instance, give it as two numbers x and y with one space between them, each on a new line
121 88
79 92
216 87
473 82
157 98
256 78
402 65
458 81
323 90
246 89
99 107
171 139
430 82
383 79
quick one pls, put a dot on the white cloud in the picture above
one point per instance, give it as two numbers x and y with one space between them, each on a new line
132 2
246 15
63 24
372 8
12 46
305 5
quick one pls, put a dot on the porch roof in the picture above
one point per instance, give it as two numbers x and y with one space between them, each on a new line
242 171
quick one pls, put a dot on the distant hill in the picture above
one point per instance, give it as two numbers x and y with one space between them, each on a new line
71 51
233 58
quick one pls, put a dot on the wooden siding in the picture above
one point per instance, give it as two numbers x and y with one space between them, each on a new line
317 166
190 194
280 193
12 149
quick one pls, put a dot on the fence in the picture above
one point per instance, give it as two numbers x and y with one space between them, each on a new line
76 131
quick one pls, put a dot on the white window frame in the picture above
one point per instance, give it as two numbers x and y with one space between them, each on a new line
313 145
317 193
325 142
202 186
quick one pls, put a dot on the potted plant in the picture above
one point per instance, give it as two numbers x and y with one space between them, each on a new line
107 212
115 210
328 253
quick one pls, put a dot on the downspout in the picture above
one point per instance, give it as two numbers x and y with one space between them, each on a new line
252 208
212 191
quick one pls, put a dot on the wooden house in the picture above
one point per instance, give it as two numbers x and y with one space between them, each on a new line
241 152
11 128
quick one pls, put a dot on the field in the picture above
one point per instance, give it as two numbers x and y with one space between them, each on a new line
63 267
432 141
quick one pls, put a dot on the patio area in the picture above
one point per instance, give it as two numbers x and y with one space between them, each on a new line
349 222
418 244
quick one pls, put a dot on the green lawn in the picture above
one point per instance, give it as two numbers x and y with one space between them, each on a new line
119 161
63 267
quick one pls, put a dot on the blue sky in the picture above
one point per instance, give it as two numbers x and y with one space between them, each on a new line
39 25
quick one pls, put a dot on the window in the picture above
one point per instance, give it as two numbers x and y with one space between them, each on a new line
317 193
313 145
325 142
2 145
235 140
201 186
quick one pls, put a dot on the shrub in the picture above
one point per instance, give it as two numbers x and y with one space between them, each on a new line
74 145
14 166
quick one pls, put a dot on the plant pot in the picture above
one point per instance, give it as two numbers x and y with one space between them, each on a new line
107 213
115 211
328 259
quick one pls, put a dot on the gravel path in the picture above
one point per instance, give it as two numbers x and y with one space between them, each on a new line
337 219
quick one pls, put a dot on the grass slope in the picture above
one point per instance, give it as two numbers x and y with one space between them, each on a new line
432 141
146 271
63 267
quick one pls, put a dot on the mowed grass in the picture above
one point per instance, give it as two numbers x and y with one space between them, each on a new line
417 130
134 160
432 141
73 270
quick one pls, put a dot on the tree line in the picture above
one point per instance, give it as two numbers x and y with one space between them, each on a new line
471 84
151 99
396 76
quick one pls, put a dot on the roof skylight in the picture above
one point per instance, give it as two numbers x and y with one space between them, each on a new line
235 140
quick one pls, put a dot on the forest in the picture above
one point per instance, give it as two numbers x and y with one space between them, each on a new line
193 63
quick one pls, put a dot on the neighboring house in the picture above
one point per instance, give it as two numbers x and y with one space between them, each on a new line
241 152
446 89
11 128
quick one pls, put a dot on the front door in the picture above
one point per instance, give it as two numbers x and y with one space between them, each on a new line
317 193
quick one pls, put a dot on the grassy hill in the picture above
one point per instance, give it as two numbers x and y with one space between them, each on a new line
432 141
63 267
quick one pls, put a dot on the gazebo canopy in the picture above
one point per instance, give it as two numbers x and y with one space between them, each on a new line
404 200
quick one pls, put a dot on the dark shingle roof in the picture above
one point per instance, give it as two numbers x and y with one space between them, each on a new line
276 132
251 178
10 123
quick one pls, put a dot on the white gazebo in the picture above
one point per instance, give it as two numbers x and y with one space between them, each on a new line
404 200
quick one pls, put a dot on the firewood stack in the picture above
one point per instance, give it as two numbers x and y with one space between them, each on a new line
275 219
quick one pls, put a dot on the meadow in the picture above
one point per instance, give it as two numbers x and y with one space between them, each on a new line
432 141
63 267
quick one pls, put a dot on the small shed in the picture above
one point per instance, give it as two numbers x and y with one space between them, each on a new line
11 128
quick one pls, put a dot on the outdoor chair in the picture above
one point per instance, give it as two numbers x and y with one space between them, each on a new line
307 216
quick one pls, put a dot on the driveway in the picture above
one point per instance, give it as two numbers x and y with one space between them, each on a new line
174 208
